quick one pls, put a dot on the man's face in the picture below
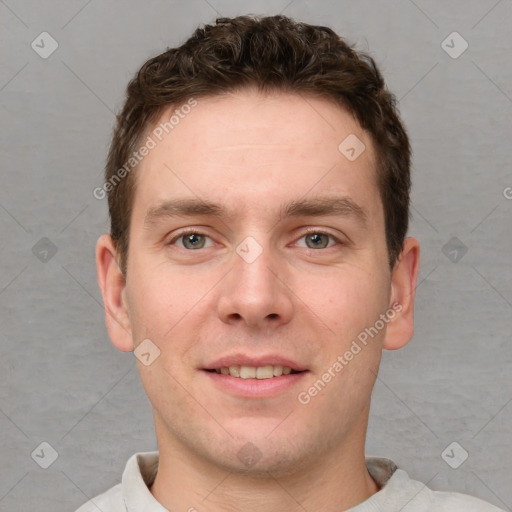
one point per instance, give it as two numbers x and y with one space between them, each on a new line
257 285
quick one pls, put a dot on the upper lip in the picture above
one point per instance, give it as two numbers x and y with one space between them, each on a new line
256 361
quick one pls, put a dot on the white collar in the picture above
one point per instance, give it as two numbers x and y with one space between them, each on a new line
141 469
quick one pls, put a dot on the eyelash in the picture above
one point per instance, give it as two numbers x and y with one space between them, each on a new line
305 233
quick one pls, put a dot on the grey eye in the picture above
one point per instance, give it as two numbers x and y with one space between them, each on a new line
316 240
193 241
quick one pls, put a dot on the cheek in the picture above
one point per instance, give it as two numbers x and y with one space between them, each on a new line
167 309
153 304
348 300
163 293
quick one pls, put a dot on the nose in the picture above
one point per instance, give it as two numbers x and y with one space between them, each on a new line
255 291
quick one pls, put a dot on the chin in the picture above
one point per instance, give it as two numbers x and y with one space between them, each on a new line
262 457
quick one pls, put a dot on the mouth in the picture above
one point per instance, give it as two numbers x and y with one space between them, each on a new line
255 382
252 376
255 372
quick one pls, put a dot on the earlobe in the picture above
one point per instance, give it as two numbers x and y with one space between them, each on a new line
400 329
112 285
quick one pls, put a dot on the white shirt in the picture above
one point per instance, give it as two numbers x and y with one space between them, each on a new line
397 491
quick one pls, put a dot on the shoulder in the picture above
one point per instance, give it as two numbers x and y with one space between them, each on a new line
454 502
138 475
400 492
420 498
109 501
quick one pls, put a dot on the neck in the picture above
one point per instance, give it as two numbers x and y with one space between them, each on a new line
332 481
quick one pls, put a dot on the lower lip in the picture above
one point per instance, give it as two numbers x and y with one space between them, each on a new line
255 388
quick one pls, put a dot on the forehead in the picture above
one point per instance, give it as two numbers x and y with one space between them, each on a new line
249 150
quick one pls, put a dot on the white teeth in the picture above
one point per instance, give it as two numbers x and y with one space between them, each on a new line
252 372
234 371
278 371
264 372
247 372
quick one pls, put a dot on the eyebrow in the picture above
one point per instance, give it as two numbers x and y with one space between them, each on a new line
314 207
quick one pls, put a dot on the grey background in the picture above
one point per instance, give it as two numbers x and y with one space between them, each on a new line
62 382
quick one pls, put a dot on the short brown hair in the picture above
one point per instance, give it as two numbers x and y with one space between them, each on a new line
272 53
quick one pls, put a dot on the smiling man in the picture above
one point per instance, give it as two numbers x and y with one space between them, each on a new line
258 185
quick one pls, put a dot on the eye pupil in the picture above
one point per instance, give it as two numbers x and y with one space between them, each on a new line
314 240
194 240
317 240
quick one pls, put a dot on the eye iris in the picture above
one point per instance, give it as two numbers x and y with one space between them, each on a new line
317 242
196 241
192 239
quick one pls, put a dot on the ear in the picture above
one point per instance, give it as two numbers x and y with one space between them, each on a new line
400 329
112 284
